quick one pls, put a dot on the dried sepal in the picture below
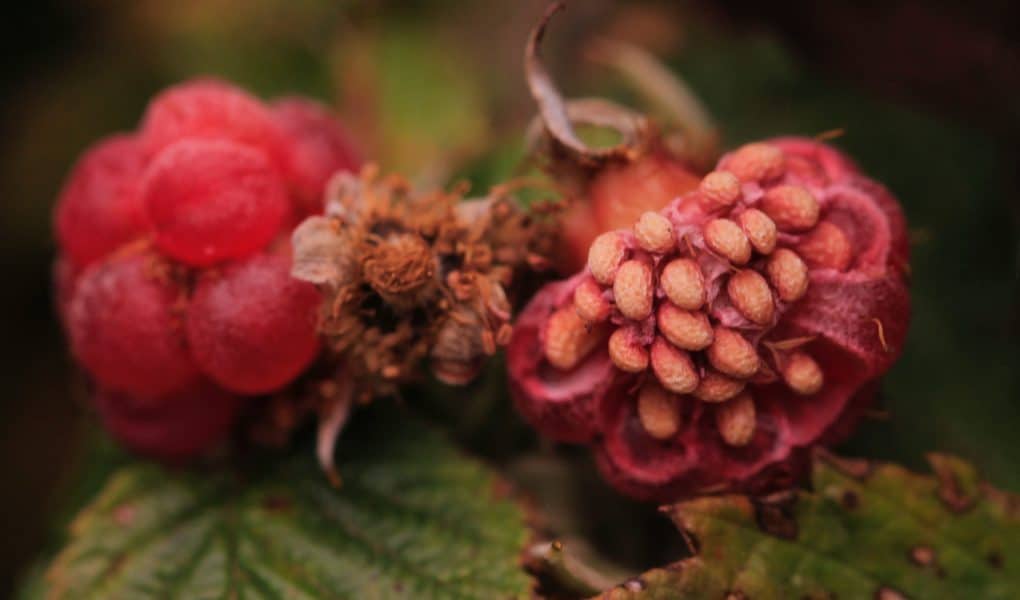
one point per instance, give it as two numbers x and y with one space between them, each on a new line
558 116
605 188
409 276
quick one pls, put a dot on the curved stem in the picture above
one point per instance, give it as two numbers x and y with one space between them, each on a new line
335 413
558 116
568 573
667 92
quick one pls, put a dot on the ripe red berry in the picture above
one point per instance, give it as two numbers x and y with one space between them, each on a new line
252 327
175 427
316 147
756 332
166 326
99 208
210 200
209 109
126 329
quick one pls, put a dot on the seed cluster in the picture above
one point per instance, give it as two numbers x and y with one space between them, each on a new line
686 298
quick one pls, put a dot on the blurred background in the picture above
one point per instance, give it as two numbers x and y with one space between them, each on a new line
925 91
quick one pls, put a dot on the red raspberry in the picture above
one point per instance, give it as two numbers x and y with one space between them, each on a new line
212 179
99 208
706 348
126 327
209 109
317 147
210 200
252 327
173 428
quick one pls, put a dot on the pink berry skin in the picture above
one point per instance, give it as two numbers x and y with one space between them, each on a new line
99 208
252 327
212 200
173 428
125 328
316 147
209 109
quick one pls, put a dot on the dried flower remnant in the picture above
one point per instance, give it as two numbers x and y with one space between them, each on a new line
408 277
749 335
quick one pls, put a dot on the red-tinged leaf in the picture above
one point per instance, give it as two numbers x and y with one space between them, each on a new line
867 530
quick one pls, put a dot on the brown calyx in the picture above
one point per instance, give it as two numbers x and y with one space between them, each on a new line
401 267
408 276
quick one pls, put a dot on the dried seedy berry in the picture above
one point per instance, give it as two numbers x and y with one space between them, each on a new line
251 327
764 326
212 200
169 281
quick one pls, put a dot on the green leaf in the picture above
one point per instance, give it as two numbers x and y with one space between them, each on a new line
412 519
866 531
